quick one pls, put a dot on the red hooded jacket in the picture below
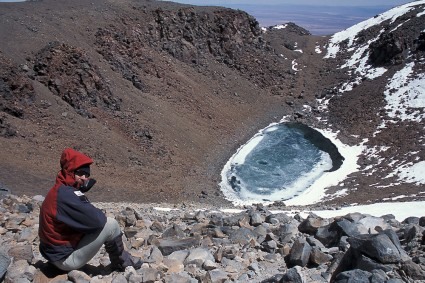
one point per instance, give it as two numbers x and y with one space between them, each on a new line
66 214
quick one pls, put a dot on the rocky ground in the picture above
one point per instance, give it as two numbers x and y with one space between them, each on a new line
201 244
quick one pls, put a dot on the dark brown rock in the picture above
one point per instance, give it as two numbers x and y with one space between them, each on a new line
300 253
168 246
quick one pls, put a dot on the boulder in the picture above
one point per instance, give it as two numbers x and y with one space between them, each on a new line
149 275
386 50
315 242
119 278
4 263
351 229
78 276
378 276
353 276
168 246
130 232
21 252
13 222
216 276
198 256
173 265
373 224
28 234
287 231
414 271
157 226
256 219
411 220
20 270
174 231
269 246
210 265
242 236
279 217
234 220
155 255
180 256
300 253
381 247
368 264
317 257
411 232
328 235
126 217
179 278
354 216
422 219
216 219
294 275
312 223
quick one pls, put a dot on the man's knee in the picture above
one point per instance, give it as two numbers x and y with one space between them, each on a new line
112 227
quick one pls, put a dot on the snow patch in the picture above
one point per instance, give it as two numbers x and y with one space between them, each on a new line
405 95
413 173
294 65
280 26
318 49
401 210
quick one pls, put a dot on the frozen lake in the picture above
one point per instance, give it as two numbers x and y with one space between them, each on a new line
279 163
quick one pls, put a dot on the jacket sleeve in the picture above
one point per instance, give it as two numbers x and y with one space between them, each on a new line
76 211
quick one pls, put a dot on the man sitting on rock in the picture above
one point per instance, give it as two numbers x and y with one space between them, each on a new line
72 230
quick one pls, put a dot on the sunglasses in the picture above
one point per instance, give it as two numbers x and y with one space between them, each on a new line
81 173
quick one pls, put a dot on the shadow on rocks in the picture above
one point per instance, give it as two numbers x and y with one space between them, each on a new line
49 271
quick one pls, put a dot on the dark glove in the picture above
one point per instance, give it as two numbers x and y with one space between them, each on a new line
87 185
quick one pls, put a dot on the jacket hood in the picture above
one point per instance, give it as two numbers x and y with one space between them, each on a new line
70 161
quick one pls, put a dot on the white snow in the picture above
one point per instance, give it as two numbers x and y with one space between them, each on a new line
350 33
317 49
307 108
294 65
401 210
166 209
243 151
359 67
394 198
280 26
406 92
413 173
317 190
283 56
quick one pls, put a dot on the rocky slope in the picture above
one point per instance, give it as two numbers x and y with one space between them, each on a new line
378 100
161 95
158 94
189 244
